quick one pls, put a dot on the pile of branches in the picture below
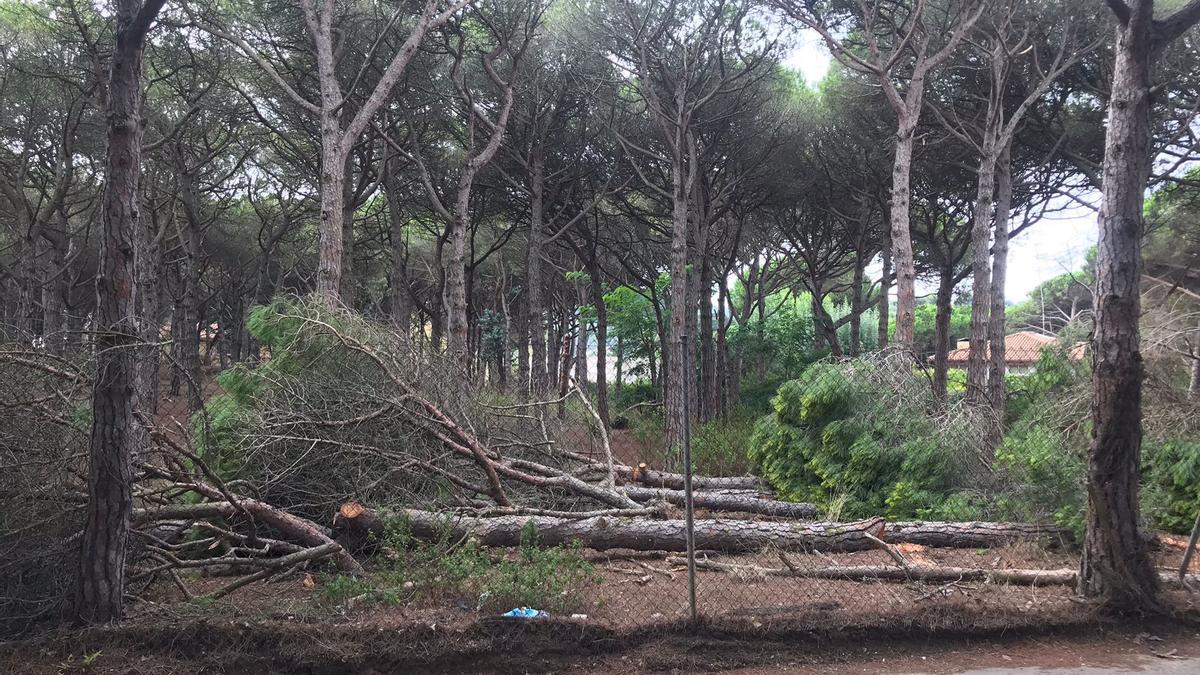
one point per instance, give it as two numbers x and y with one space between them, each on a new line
306 456
43 446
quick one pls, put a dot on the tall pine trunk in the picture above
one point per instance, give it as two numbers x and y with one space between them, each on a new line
941 341
456 277
902 250
534 311
885 293
601 348
996 319
1116 565
101 587
981 273
676 382
399 302
856 308
581 338
331 237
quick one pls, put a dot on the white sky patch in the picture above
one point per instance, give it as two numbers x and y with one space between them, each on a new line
810 56
1056 244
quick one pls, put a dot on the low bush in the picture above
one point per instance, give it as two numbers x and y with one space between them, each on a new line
1171 484
721 447
838 439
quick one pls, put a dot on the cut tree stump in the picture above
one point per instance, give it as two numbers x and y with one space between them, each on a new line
357 528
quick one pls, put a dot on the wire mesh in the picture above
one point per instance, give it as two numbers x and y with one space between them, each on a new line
875 490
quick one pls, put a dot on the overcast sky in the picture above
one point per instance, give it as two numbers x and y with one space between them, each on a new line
1058 243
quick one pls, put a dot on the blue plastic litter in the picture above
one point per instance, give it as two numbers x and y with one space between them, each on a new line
525 613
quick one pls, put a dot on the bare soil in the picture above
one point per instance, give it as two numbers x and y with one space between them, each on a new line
636 622
255 645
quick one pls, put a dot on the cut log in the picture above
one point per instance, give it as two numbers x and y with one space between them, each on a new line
935 574
973 534
294 528
646 534
931 574
674 481
739 502
602 533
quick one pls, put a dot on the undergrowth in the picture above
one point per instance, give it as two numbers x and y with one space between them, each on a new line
488 581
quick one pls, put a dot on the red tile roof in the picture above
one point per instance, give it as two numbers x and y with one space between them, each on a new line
1022 348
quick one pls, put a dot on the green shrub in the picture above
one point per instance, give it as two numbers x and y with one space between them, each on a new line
1043 475
836 440
1171 492
721 447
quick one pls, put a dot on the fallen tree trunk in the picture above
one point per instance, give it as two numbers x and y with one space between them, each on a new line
924 573
973 534
294 528
746 502
602 533
674 481
719 535
933 574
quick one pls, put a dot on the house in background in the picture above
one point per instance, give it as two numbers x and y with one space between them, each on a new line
1021 351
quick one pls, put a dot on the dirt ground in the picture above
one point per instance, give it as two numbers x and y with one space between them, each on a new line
636 622
272 646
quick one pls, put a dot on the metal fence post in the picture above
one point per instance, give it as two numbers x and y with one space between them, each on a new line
686 361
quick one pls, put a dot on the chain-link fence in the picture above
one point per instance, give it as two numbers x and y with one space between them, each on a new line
874 491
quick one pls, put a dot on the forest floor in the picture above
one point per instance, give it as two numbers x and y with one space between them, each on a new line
225 645
634 620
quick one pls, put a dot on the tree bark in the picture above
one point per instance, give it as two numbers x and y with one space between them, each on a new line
941 340
1116 566
603 533
456 276
189 337
581 336
997 367
400 302
676 382
100 594
724 391
709 391
981 273
885 292
856 307
674 481
601 348
723 501
902 250
535 312
929 574
731 536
